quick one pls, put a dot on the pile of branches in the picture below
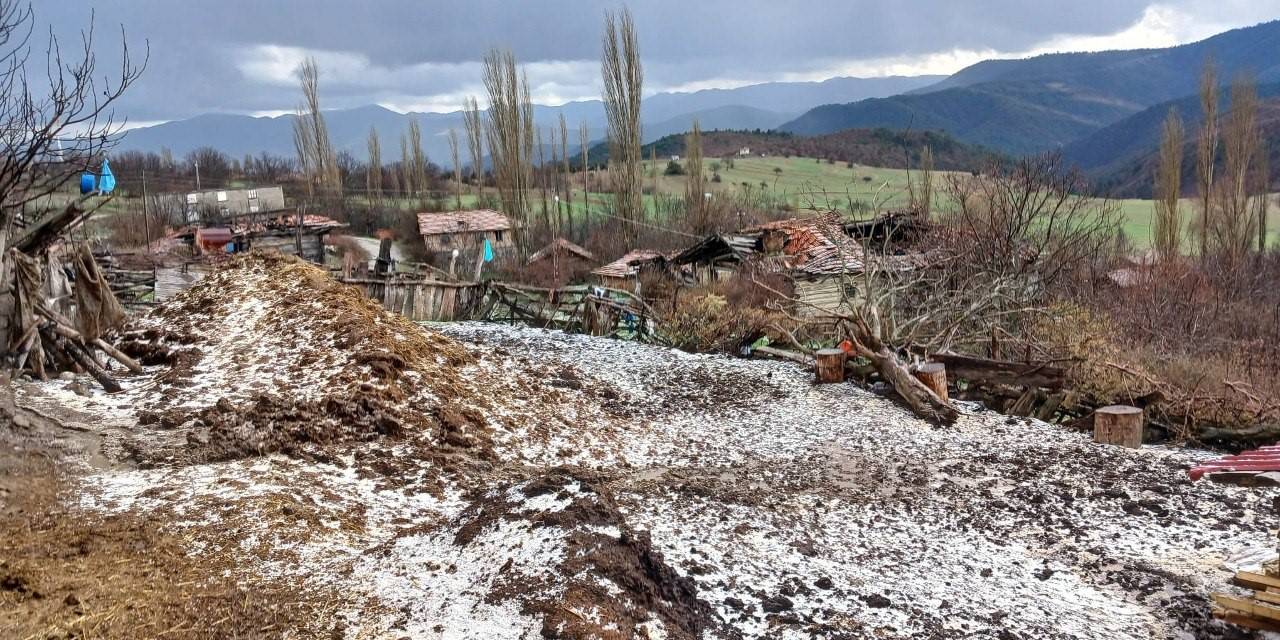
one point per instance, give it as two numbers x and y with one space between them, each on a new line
42 339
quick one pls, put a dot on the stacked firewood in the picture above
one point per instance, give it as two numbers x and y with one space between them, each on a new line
56 314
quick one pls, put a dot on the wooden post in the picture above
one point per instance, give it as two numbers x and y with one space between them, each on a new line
1119 425
934 376
829 364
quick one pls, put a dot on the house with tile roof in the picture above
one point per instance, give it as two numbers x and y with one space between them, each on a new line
465 231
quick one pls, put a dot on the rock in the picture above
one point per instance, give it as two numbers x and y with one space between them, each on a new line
877 601
1132 508
71 600
734 603
66 375
986 573
775 604
823 583
1044 574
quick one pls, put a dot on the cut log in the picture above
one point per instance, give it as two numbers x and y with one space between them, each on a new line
1119 425
986 371
934 376
129 363
829 364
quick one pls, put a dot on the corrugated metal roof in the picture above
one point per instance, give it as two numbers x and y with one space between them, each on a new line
434 224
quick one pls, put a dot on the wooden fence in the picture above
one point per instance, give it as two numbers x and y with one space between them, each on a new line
423 300
593 310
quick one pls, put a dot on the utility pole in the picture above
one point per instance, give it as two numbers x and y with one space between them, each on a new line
197 163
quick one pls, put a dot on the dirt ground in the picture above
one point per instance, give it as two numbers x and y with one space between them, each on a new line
297 463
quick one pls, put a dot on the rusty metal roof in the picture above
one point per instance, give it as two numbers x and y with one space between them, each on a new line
628 265
434 224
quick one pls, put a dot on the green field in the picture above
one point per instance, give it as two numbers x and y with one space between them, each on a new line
802 183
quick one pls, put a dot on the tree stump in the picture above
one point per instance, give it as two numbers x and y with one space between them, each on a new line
1119 425
829 364
934 376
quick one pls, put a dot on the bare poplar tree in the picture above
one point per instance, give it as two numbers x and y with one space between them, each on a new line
695 186
457 166
1206 151
419 159
623 81
1262 191
311 137
552 175
474 126
1167 226
1232 223
584 138
925 203
541 177
509 139
406 167
567 224
373 177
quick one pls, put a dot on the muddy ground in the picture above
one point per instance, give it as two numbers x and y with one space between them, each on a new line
484 481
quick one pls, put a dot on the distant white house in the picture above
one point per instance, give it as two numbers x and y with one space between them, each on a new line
675 158
745 151
234 202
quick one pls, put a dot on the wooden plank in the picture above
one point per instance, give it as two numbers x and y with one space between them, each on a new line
1252 607
1256 581
1243 620
1269 597
450 300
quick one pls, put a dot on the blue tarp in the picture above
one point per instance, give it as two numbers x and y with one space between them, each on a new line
488 251
106 181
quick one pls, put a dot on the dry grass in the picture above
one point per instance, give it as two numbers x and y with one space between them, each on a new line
70 574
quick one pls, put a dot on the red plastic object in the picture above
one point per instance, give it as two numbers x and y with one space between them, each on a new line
1259 460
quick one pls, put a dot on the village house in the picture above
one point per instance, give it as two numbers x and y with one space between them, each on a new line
626 272
465 231
815 253
559 263
226 203
281 233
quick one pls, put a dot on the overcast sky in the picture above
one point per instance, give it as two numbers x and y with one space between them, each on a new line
239 56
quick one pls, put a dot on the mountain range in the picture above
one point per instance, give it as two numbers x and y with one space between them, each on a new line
760 106
1101 110
1049 101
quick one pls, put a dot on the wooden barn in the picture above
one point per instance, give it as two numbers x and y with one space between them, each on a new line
559 263
626 272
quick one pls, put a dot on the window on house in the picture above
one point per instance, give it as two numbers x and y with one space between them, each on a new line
222 196
497 236
253 194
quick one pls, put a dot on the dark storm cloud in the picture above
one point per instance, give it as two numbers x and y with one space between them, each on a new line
235 55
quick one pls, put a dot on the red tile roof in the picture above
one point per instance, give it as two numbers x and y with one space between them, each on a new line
434 224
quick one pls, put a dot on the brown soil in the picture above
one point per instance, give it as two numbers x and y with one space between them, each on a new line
69 574
650 587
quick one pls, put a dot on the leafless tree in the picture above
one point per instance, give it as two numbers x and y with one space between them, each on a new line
408 188
510 138
1206 151
695 183
418 165
623 82
316 156
56 115
1230 231
457 167
584 140
567 201
373 177
474 126
1262 193
1167 226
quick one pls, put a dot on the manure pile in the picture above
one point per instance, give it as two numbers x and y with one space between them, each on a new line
271 354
